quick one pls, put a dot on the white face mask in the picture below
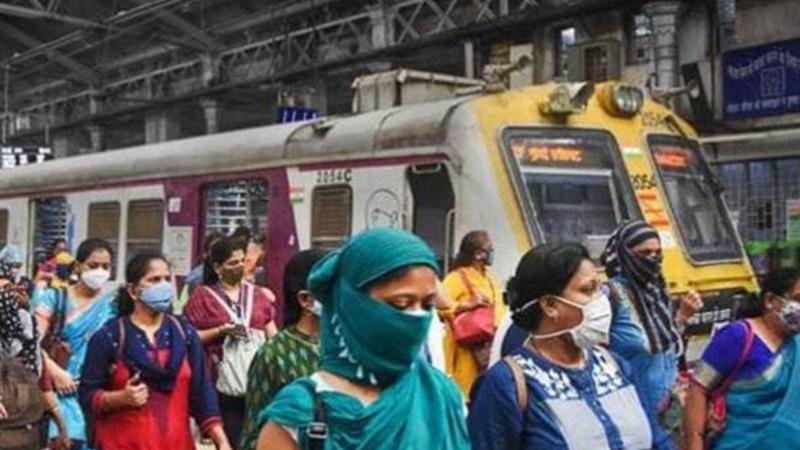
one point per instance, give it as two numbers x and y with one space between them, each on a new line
95 278
595 327
316 309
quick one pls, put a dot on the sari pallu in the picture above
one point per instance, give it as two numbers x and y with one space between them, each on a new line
79 326
762 413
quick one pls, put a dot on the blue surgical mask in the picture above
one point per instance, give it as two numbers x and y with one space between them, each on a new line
316 309
158 297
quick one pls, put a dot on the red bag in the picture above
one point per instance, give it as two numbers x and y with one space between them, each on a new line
474 326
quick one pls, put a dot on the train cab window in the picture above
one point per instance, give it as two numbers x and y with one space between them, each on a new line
145 227
50 223
239 203
103 223
331 215
3 228
694 199
574 180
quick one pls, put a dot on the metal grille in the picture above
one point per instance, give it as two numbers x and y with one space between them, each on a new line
240 203
50 224
757 191
332 212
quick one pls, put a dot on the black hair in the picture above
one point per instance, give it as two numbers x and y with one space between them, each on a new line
471 244
295 277
52 249
211 237
90 246
242 232
218 254
545 270
778 282
136 269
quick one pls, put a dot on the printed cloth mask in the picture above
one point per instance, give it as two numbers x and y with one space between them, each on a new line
790 315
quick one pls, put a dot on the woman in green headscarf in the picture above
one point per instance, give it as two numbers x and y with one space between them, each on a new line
373 390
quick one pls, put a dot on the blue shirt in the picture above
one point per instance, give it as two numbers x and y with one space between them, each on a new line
654 374
593 407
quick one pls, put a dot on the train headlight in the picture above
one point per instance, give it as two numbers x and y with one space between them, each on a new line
622 100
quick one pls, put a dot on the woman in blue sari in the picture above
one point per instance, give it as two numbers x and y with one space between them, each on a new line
88 305
753 363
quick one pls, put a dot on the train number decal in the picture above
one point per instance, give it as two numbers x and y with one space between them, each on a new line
334 176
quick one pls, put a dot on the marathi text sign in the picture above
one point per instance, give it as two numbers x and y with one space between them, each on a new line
762 81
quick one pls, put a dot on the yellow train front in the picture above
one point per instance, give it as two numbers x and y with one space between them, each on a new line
573 160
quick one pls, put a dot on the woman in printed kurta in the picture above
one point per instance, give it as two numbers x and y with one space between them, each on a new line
561 389
293 353
469 285
754 364
220 308
88 306
147 376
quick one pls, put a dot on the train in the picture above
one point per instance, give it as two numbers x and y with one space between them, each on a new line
559 161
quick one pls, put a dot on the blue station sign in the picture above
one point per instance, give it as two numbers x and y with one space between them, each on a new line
762 81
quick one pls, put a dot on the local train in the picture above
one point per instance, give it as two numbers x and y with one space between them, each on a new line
530 165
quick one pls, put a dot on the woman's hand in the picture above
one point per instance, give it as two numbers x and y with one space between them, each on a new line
690 304
135 393
63 382
217 434
3 412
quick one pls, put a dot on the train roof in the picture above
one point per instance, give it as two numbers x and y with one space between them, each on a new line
419 125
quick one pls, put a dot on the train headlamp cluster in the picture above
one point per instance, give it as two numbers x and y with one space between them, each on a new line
622 100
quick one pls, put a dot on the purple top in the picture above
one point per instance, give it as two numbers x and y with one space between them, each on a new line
723 353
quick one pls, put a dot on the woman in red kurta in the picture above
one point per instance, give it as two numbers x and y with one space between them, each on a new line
145 375
222 307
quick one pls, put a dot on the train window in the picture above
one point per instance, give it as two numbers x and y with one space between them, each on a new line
50 223
331 215
145 227
574 180
695 199
104 224
240 203
3 228
433 211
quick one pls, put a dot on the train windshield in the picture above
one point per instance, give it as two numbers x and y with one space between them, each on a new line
574 182
694 201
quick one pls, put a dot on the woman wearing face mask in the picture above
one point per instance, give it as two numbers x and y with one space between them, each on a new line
224 310
646 330
754 364
471 284
560 389
88 306
293 353
373 390
147 375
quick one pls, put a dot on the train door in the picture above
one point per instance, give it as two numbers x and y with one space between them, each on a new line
49 221
234 204
433 210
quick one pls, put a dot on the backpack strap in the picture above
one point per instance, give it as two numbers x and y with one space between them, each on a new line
231 313
519 381
317 431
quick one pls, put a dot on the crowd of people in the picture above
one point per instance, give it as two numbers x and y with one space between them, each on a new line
378 349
